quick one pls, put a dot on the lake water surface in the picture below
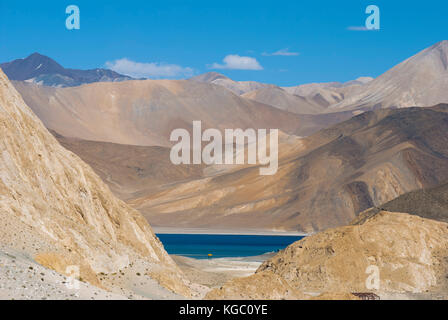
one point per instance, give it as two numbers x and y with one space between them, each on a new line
199 246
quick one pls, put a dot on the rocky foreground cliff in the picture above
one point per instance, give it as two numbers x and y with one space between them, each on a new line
57 212
391 255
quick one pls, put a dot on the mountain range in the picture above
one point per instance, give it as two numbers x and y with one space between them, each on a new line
145 112
337 158
303 99
418 81
43 70
363 171
323 181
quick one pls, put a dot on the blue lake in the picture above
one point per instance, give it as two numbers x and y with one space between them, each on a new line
199 246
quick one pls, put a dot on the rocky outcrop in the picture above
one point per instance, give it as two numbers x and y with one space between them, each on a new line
54 208
389 254
260 286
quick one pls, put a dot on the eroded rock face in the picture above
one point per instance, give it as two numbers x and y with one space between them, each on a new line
260 286
56 209
408 252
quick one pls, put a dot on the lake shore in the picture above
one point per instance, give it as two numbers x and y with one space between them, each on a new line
255 232
213 273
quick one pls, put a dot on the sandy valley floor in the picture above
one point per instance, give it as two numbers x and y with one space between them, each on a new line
213 273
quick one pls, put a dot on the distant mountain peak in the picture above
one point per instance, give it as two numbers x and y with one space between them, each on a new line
434 57
365 79
439 47
209 77
420 81
359 81
37 57
43 70
37 54
441 44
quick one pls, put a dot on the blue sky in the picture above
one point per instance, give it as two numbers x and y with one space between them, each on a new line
175 39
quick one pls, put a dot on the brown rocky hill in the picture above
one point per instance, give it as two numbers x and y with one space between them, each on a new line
323 181
430 203
57 211
392 255
130 171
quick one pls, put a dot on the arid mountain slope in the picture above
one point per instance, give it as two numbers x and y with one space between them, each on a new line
56 210
405 253
146 112
327 94
427 203
281 99
311 88
322 181
130 171
419 81
430 203
313 97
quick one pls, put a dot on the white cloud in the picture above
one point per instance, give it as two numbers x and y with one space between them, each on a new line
148 70
282 52
236 62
